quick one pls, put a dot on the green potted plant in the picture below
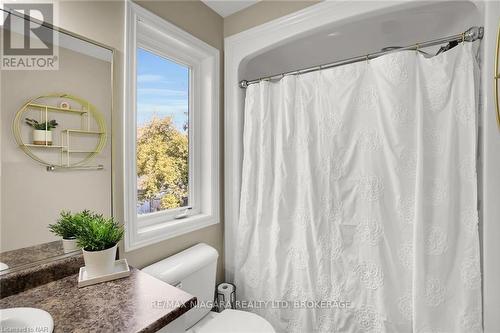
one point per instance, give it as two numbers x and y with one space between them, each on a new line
98 237
42 132
67 227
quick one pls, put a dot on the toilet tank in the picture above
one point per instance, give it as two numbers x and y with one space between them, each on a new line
192 270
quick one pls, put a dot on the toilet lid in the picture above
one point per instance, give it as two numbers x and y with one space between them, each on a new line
235 321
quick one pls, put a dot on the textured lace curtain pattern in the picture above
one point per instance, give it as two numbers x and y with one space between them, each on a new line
359 186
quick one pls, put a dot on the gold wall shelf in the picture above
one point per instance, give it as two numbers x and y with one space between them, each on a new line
89 118
55 108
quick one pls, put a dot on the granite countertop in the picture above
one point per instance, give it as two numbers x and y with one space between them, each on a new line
31 254
25 278
138 303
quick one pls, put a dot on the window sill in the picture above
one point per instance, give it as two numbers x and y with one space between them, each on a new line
149 235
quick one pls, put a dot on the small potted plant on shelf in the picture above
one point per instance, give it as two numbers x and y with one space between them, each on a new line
42 132
99 237
67 227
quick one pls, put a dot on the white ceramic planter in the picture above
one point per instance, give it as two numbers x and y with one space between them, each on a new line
42 137
98 263
69 245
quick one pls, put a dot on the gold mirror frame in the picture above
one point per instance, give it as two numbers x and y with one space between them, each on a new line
497 76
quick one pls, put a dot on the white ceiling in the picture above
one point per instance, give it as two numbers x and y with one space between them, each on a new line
227 7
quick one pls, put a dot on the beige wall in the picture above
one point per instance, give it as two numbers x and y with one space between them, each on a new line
192 16
103 21
262 12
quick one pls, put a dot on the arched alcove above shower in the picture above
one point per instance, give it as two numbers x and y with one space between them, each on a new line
342 39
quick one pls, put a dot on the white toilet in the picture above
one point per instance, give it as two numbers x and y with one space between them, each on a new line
193 271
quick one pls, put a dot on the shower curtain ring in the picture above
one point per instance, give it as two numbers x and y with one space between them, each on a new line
463 37
417 47
367 58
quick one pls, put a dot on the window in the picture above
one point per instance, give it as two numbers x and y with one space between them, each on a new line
171 156
162 147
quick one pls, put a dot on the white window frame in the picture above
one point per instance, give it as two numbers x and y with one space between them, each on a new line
150 32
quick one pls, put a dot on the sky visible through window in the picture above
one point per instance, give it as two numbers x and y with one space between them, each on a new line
162 89
162 133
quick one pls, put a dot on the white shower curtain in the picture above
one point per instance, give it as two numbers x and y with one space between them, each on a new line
359 189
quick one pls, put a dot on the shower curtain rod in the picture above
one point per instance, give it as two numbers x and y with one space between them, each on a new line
470 35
